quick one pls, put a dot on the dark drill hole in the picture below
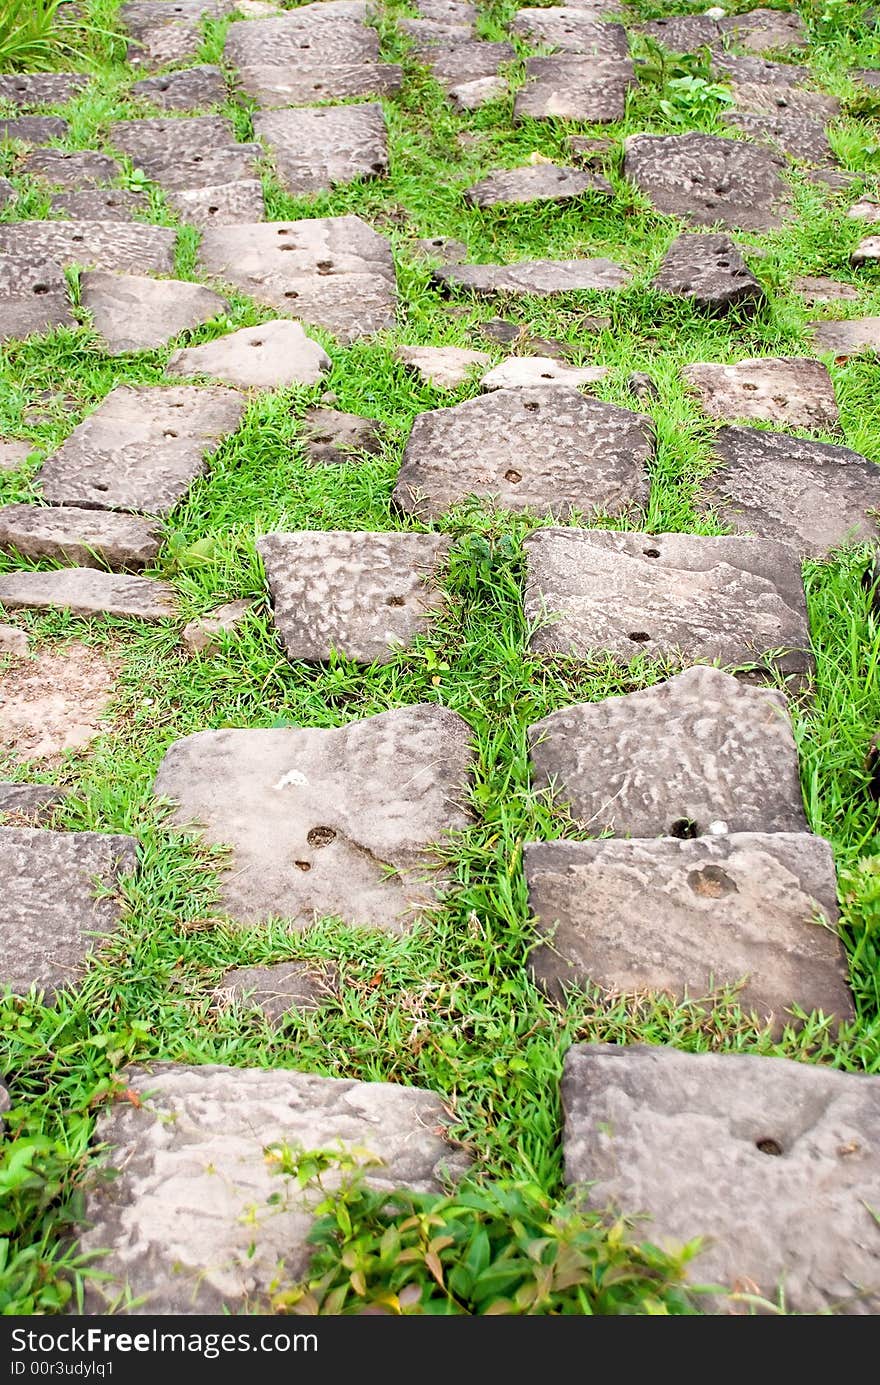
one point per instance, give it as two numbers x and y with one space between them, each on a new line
212 211
302 865
100 485
258 342
651 552
514 477
321 836
769 1146
639 636
291 293
41 288
395 601
684 828
531 406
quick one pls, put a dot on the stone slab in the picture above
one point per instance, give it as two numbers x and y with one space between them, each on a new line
536 372
791 391
361 595
33 297
269 356
705 179
184 152
866 252
13 642
711 272
83 538
849 338
193 89
572 30
685 917
807 494
164 45
534 278
179 1220
276 991
330 436
134 313
85 591
138 17
388 788
202 635
99 204
867 76
772 1162
473 95
8 192
799 136
274 86
766 98
722 758
142 447
33 129
683 33
33 805
815 289
50 909
758 71
575 88
332 272
318 33
29 89
535 183
71 169
866 209
219 204
762 29
548 450
107 245
442 367
467 61
316 148
672 596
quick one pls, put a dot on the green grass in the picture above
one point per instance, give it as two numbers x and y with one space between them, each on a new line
450 1006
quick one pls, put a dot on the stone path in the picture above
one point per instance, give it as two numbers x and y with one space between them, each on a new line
686 863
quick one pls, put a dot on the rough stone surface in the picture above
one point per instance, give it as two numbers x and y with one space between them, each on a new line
84 591
535 278
263 357
848 338
866 209
111 245
685 1137
817 289
705 179
683 917
766 98
99 204
473 95
833 178
387 789
220 204
322 33
277 991
54 702
799 136
30 804
677 596
755 71
142 448
468 61
761 30
71 169
443 367
807 494
28 89
330 436
169 43
572 30
50 911
13 642
139 17
186 152
8 192
33 129
789 390
535 372
200 636
134 313
866 252
709 270
361 595
701 752
191 90
84 538
683 33
589 152
867 76
575 88
535 183
192 1154
441 248
333 272
274 87
316 148
33 297
548 450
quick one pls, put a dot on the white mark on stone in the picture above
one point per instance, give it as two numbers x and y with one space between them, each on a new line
292 777
718 828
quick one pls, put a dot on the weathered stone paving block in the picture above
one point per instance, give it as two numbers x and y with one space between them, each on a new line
169 43
138 17
797 135
773 1162
264 357
848 338
575 88
572 30
201 636
220 204
789 390
321 33
711 271
331 436
54 701
680 596
191 90
866 252
8 192
142 448
315 148
361 595
277 991
535 278
84 538
682 917
134 313
683 33
50 908
443 367
472 96
720 756
33 297
535 183
29 89
766 98
816 289
74 169
763 29
33 129
101 204
30 804
98 244
531 372
705 179
807 494
333 272
274 87
315 817
548 450
13 453
464 62
85 591
187 152
866 209
178 1220
13 642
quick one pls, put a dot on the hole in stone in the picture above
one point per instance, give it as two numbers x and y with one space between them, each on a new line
531 406
324 265
769 1146
711 882
100 486
320 836
258 342
514 477
169 433
319 86
197 158
546 375
724 264
651 552
288 247
395 601
321 437
162 85
684 829
77 238
291 293
378 166
212 211
284 231
749 385
302 865
41 288
639 636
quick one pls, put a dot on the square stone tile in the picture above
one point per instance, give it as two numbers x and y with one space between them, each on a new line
791 391
111 245
705 179
84 538
33 297
317 148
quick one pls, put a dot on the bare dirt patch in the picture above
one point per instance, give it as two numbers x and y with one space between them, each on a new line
53 702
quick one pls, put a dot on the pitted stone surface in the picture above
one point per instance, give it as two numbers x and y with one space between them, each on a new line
573 87
793 391
799 136
202 635
138 17
33 297
683 33
331 436
867 76
761 30
701 750
807 494
711 271
848 338
535 183
191 90
220 204
388 789
866 209
50 909
178 1221
134 313
683 917
361 595
443 367
763 98
866 252
76 169
473 95
467 61
14 453
8 192
536 372
333 272
29 89
85 591
820 289
263 357
142 447
548 450
33 129
758 71
685 1138
323 34
705 179
572 30
274 87
680 596
84 538
169 43
537 278
100 204
316 148
98 244
33 804
186 152
277 991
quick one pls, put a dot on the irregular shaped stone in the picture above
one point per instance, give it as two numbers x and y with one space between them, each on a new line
866 252
321 34
277 991
832 178
789 390
589 152
29 89
54 702
222 204
30 804
683 33
575 88
273 87
535 372
534 183
506 333
683 917
50 907
442 248
268 356
807 494
13 642
443 367
535 278
758 71
820 289
191 90
333 272
572 30
709 270
331 436
547 450
867 76
762 29
105 204
315 817
797 135
317 147
96 244
644 1123
473 95
762 98
722 758
196 151
85 591
33 129
668 596
178 1221
866 209
705 179
200 635
134 313
84 538
74 169
360 595
33 297
848 338
142 448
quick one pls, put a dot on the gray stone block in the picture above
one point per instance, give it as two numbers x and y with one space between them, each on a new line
536 372
33 129
186 152
139 17
191 90
109 245
442 367
28 89
473 95
849 338
467 61
268 356
815 289
276 86
34 804
33 297
321 33
792 391
765 98
164 45
758 71
134 313
683 33
761 30
318 147
575 88
276 991
71 169
85 591
705 179
571 30
535 183
709 270
84 538
331 436
219 204
866 252
534 278
201 636
100 204
799 136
